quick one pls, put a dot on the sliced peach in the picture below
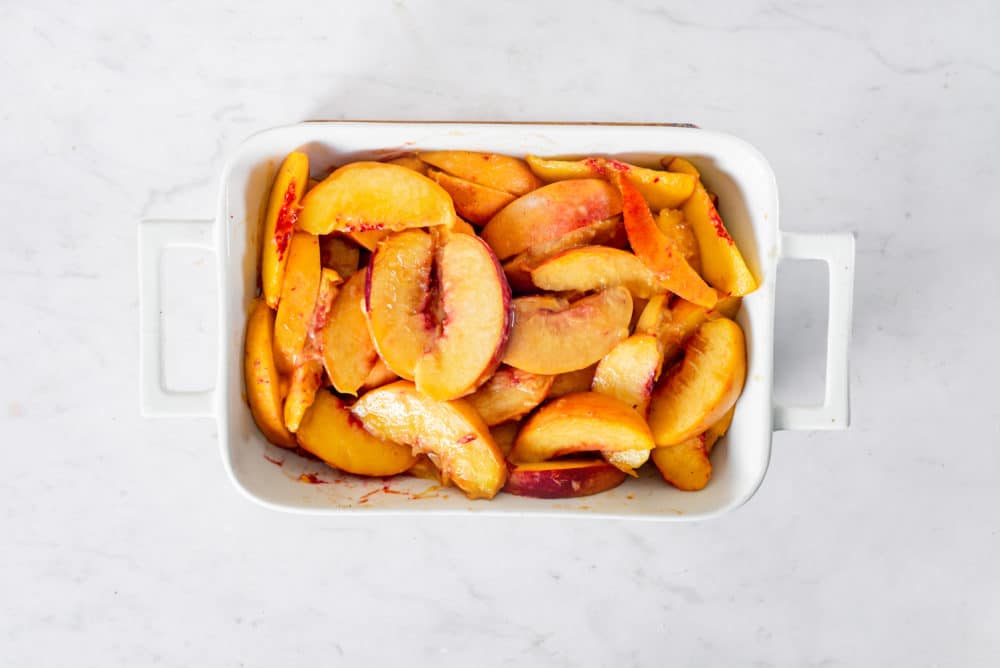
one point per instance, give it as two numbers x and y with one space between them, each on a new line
504 435
331 432
289 186
410 161
722 263
572 381
298 300
563 479
379 375
550 212
719 429
683 319
366 196
627 461
462 227
557 336
398 299
654 314
595 268
474 320
368 240
686 465
501 172
348 351
676 228
630 371
263 383
426 469
698 391
657 251
308 374
581 422
509 394
604 232
474 202
450 430
662 190
339 254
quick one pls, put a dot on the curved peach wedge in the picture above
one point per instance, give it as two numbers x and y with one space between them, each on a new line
289 186
706 384
563 479
686 465
509 394
553 336
595 268
398 297
263 384
655 249
582 422
550 212
501 172
365 196
348 352
474 202
450 430
299 291
333 434
630 371
662 190
679 231
722 264
572 382
473 319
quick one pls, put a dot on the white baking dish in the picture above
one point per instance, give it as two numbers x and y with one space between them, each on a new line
748 200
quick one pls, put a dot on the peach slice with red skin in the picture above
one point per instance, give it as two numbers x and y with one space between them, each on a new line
289 186
722 264
552 335
474 321
654 248
474 202
263 384
563 479
509 394
686 465
550 212
500 172
452 431
595 268
349 354
703 387
630 371
398 297
582 422
331 432
298 300
662 190
365 196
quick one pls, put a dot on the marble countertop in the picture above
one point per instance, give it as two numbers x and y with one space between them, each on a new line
123 541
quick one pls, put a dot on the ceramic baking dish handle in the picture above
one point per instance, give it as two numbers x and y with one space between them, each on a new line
155 237
837 250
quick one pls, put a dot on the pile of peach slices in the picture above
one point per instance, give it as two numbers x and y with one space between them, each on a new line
387 339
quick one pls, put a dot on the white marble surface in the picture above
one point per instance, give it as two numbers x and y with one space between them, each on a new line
124 544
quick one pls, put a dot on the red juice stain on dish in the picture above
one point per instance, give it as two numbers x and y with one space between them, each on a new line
276 462
720 229
286 221
312 479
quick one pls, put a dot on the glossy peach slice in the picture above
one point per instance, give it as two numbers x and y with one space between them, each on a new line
550 212
679 322
331 432
555 336
289 186
686 465
718 429
473 319
501 172
509 394
563 479
450 430
657 251
572 382
398 299
474 202
298 300
698 391
678 230
348 351
339 254
263 385
661 190
630 371
583 422
365 196
379 375
596 268
722 264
